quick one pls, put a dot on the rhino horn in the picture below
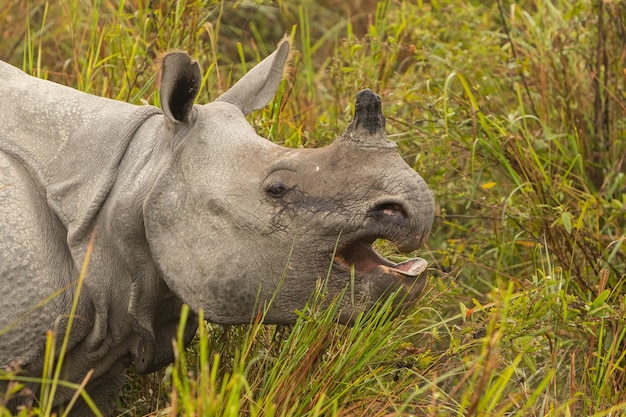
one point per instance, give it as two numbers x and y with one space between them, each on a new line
258 87
180 83
367 129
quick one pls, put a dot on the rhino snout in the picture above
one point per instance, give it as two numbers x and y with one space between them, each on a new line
406 223
390 214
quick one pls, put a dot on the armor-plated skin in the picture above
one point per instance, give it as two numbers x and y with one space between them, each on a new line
188 205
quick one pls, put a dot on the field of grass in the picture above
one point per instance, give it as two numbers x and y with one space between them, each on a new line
513 112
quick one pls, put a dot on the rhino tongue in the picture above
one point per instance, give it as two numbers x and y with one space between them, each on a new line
411 267
365 259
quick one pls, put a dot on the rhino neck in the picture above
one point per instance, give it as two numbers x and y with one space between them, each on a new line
81 180
148 306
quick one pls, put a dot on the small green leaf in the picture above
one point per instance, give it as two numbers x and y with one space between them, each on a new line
601 298
566 219
463 309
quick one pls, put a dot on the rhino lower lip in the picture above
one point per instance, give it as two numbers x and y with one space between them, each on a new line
365 259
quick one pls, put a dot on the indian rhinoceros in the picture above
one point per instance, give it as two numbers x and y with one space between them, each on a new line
187 204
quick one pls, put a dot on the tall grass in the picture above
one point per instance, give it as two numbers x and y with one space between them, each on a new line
315 368
514 113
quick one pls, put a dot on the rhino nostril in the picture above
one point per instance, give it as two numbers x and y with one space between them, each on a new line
390 210
393 210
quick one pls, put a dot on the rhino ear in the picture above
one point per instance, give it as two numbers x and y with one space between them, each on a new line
259 85
180 83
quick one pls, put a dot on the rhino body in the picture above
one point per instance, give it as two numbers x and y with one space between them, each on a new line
184 204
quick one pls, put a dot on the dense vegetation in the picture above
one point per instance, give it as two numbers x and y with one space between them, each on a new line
514 113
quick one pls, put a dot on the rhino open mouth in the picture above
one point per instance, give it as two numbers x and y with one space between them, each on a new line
365 259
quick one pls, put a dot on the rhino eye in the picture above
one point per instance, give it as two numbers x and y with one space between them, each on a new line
276 190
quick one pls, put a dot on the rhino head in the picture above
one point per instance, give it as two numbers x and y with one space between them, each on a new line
237 224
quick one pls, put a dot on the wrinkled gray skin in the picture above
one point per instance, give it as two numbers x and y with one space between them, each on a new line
189 205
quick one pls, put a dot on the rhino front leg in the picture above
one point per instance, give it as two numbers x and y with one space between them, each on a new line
104 392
